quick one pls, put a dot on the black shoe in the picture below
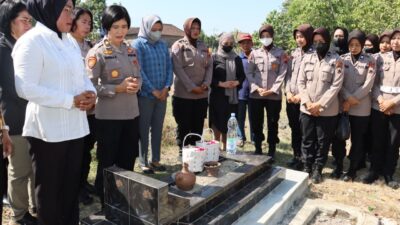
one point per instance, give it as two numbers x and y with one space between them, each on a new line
349 176
85 198
391 182
147 170
157 166
28 219
271 151
370 178
337 172
316 177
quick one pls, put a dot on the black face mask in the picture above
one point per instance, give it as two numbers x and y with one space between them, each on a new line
227 49
321 48
369 50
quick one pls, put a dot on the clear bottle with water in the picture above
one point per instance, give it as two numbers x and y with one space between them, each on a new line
232 135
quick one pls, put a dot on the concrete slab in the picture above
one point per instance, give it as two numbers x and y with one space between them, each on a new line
272 208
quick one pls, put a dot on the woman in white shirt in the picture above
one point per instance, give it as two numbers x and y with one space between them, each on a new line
50 74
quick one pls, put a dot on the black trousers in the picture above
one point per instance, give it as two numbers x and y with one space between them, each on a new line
57 169
241 117
338 148
89 142
317 136
385 142
293 114
359 129
272 108
189 115
117 144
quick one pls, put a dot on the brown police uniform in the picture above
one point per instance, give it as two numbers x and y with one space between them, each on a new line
193 68
319 82
358 80
116 113
293 109
266 69
386 128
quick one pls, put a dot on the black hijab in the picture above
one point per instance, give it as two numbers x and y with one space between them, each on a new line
307 31
47 12
361 37
396 55
341 46
374 39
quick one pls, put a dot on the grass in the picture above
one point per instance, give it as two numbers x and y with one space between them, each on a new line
376 199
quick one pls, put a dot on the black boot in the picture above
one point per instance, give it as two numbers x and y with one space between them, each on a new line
316 177
271 152
338 171
370 177
350 175
391 182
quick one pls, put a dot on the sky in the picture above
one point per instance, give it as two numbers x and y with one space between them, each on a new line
217 16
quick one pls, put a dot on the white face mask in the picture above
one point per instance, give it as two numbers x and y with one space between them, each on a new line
155 35
266 41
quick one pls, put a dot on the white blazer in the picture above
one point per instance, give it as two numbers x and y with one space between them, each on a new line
49 72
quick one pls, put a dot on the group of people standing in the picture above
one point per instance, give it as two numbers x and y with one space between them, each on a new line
61 95
355 76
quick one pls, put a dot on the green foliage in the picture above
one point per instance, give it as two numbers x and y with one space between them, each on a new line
371 16
96 7
210 41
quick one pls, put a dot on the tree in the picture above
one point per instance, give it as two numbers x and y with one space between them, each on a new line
96 7
371 16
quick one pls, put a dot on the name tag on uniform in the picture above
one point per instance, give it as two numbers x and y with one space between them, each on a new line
110 57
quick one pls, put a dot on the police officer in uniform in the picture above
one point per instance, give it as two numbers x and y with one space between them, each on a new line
113 67
355 98
266 73
303 36
385 115
193 67
319 82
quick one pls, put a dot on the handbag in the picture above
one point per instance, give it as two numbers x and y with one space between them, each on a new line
343 128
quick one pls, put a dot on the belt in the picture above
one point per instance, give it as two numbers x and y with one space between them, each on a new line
390 90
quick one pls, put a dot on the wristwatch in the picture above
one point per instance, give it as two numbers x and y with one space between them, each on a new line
5 127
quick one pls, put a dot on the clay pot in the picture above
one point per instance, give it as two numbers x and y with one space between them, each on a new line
212 168
185 179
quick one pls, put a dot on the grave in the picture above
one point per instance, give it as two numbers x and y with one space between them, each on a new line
132 198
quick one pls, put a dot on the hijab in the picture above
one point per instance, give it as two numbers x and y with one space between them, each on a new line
327 38
187 28
396 55
269 29
230 66
307 31
146 25
374 39
341 45
361 37
47 12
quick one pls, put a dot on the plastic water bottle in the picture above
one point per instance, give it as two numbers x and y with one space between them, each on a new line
232 135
